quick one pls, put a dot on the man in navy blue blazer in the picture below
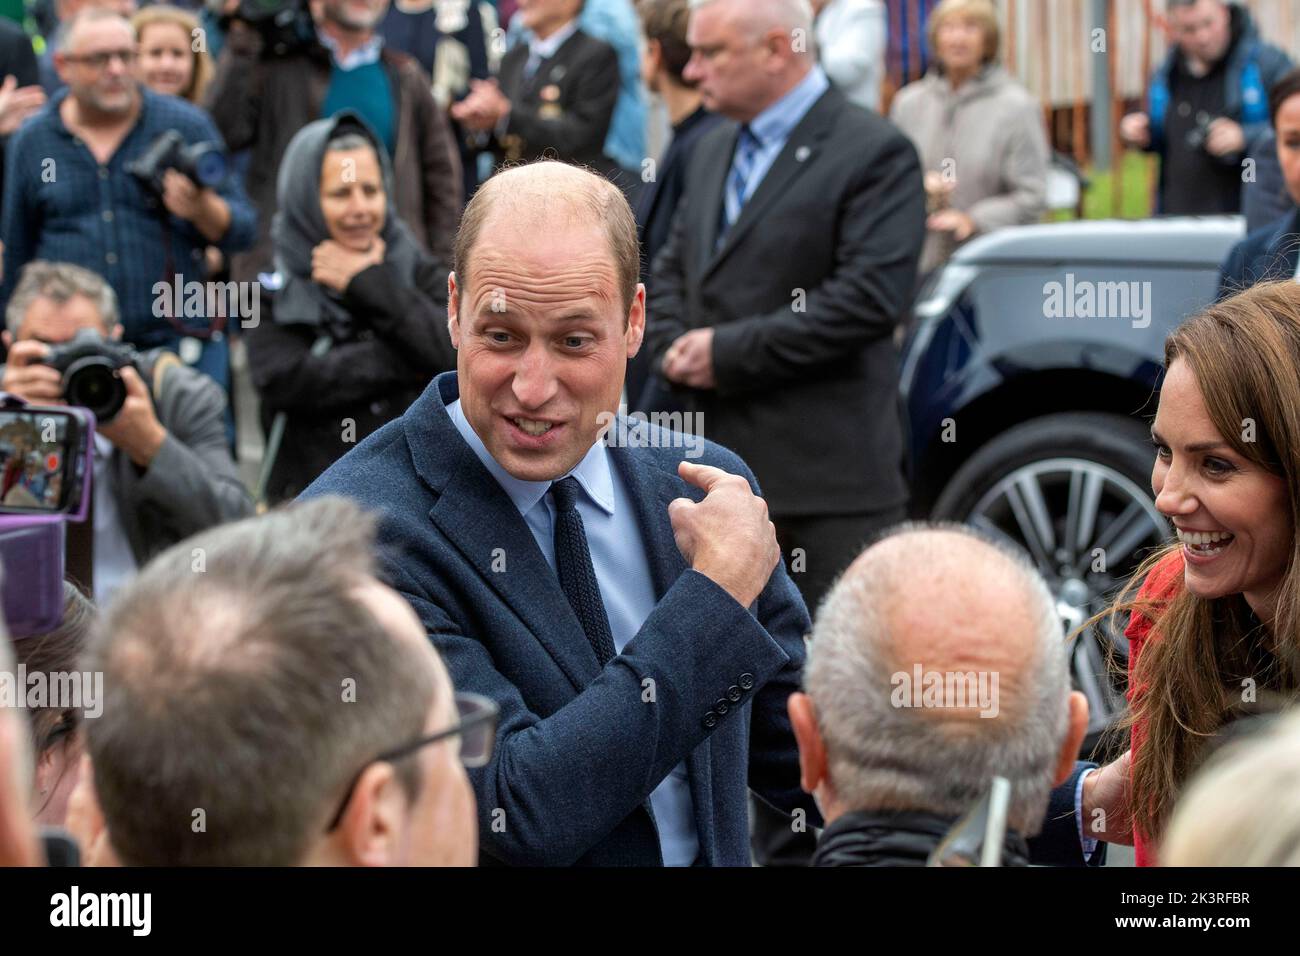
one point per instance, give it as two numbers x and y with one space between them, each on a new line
615 587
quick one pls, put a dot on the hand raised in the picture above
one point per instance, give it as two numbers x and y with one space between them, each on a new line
728 536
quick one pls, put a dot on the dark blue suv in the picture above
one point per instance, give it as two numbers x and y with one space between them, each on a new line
1029 377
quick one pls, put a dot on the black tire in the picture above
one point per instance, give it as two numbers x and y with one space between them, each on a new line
1114 442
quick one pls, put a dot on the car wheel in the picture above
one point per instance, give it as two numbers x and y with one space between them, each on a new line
1073 493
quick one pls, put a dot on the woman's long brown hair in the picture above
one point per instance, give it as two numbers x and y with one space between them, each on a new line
1207 661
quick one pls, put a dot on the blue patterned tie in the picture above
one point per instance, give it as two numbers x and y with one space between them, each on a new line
577 576
742 167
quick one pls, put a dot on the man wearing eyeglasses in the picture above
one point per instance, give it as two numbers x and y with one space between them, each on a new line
616 588
69 194
282 707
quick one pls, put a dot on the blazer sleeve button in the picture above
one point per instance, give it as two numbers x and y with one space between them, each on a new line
746 681
734 693
721 706
710 720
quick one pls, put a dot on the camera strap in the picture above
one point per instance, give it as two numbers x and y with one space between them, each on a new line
216 323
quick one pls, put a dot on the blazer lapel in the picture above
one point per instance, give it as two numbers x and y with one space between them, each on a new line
556 66
711 190
479 519
799 151
651 491
511 74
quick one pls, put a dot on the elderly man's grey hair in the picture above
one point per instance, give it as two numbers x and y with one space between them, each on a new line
885 756
59 281
88 15
763 15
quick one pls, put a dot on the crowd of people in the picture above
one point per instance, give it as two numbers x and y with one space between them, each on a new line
453 622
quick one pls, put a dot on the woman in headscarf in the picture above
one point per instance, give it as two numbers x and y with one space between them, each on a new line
353 322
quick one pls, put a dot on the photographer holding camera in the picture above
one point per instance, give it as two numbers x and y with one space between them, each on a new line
89 181
162 466
279 71
1208 106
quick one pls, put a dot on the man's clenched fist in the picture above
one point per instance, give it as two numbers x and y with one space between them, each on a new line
728 536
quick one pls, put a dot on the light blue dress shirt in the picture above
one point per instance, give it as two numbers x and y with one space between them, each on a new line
540 50
618 555
369 52
774 125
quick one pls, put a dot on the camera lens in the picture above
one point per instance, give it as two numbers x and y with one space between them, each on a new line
209 166
93 383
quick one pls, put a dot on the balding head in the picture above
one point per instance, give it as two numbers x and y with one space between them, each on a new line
545 194
955 602
89 19
760 16
937 662
544 310
748 54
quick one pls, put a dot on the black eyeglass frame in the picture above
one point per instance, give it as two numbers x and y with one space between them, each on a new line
484 710
100 60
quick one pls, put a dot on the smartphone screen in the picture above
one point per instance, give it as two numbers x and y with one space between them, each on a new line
38 462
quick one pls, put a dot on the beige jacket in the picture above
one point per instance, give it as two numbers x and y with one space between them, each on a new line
989 138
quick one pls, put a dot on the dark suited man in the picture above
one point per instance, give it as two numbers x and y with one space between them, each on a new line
555 94
774 302
624 606
666 53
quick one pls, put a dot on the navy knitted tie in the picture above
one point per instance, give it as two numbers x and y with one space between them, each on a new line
577 576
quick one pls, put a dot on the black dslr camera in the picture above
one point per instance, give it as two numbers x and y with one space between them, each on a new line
204 164
89 363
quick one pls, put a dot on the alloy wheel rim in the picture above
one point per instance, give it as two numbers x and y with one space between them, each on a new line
1086 527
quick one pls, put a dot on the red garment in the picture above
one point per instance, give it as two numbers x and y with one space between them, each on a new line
1160 587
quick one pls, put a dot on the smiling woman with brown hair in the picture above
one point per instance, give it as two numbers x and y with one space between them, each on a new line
1215 625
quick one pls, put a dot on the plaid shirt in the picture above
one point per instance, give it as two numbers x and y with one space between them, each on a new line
61 205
